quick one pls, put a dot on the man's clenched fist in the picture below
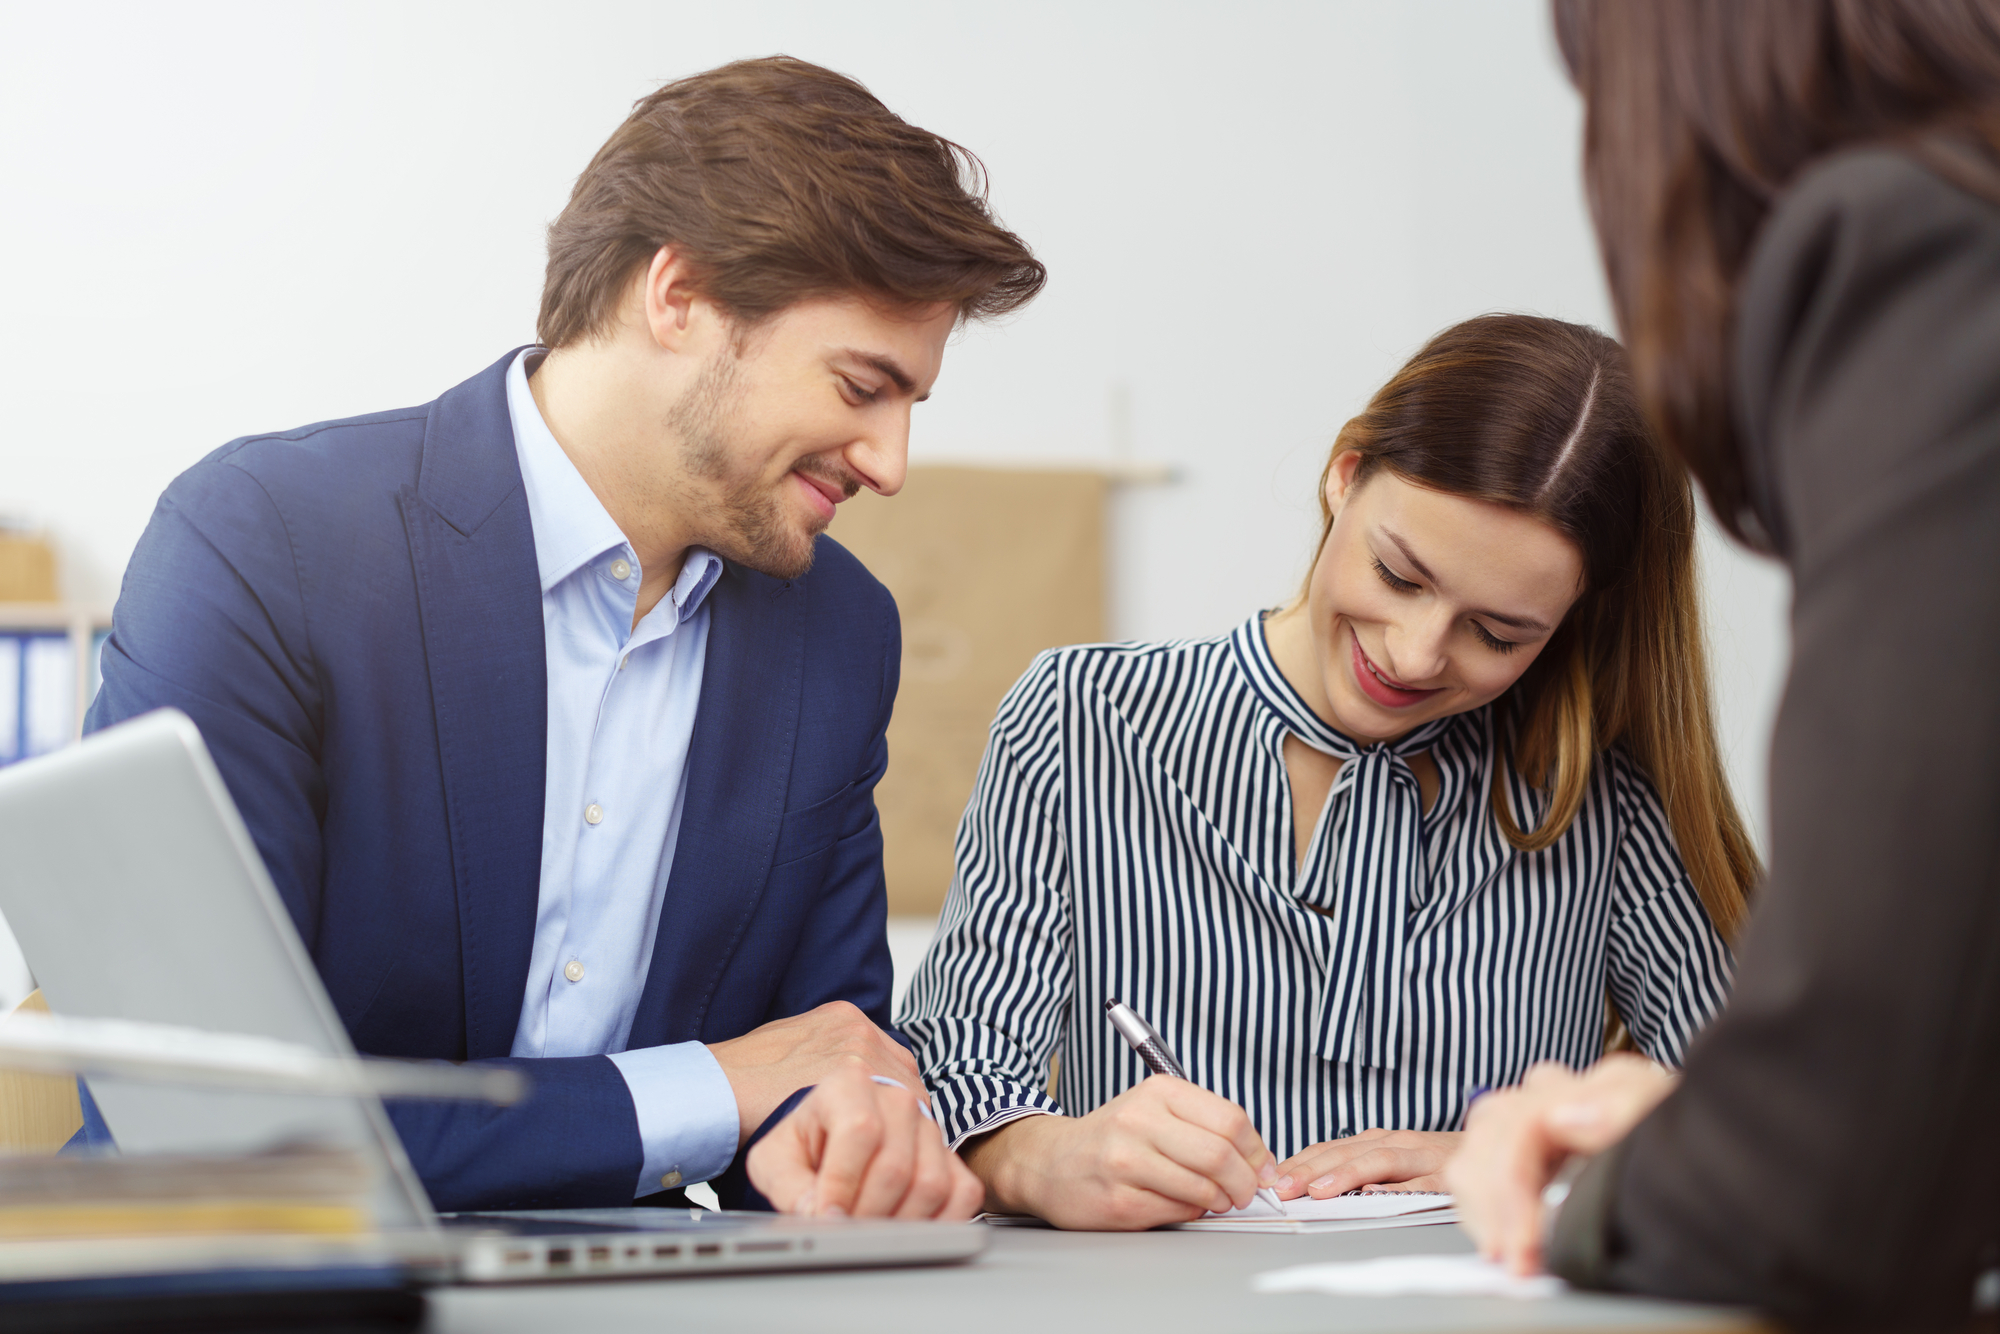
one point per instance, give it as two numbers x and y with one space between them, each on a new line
865 1149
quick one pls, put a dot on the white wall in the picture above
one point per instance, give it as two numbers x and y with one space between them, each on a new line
218 219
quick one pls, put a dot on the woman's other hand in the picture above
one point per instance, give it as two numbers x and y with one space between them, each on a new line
1398 1159
1517 1139
1163 1151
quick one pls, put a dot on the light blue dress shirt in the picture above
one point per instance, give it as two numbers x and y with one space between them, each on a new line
622 702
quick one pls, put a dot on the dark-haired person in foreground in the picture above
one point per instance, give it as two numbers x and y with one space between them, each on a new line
1804 246
553 716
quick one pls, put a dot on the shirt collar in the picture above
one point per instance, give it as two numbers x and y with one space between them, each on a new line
1253 655
571 526
698 575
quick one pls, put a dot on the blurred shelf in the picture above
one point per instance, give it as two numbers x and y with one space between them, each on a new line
21 623
51 616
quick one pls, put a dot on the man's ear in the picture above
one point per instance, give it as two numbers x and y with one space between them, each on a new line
1340 478
668 298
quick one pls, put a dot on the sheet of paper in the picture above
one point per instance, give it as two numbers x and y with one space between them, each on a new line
1409 1276
1342 1213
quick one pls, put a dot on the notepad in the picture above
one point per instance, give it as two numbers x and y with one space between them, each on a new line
1355 1212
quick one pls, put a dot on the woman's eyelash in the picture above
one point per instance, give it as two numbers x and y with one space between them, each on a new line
1485 636
860 395
1400 585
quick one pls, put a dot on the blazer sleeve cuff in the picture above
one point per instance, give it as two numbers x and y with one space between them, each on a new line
688 1122
1580 1249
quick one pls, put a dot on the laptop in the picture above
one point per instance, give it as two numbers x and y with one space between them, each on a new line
136 893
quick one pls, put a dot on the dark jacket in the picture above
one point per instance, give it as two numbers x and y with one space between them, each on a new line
352 614
1833 1155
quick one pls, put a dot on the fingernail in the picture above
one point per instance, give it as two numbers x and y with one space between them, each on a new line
1268 1173
1575 1115
833 1211
804 1203
1320 1184
1284 1182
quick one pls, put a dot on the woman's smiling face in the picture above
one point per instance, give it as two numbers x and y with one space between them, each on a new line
1424 604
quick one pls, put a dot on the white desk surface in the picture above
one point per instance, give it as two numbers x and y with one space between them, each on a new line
1033 1281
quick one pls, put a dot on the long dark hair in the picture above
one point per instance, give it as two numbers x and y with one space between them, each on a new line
1540 416
1698 113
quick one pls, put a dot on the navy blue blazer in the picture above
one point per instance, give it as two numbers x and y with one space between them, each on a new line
351 613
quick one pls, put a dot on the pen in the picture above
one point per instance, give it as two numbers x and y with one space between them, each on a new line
1153 1051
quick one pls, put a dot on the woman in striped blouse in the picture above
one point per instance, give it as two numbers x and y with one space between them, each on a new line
1368 854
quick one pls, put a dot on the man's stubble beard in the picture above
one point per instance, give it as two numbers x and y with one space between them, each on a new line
746 523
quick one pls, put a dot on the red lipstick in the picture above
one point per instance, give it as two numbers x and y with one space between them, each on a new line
1378 685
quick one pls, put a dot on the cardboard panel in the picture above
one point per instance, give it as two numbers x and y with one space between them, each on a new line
27 569
988 566
38 1113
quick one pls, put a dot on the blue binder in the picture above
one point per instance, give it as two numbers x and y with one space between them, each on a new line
37 693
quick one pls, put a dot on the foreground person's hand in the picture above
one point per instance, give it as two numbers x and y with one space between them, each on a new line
1517 1139
1161 1152
767 1065
866 1150
1396 1159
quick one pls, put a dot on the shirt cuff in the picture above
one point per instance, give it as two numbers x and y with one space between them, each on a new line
996 1118
688 1122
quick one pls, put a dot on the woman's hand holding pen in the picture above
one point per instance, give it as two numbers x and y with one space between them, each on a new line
1395 1159
1163 1151
1517 1139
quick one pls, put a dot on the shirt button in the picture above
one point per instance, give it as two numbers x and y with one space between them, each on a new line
621 570
573 970
671 1179
593 814
622 661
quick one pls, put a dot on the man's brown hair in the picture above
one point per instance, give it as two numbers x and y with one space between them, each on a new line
780 181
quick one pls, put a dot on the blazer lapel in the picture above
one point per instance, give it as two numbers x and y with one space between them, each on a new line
479 597
739 767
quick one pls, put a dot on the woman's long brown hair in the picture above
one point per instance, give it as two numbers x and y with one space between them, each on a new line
1540 416
1698 114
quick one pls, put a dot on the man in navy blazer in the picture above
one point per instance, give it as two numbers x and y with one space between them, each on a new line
555 717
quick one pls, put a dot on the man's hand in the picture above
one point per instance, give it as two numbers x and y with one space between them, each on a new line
1401 1159
1516 1141
855 1147
1161 1152
768 1065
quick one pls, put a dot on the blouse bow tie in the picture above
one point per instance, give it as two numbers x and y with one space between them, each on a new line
1368 893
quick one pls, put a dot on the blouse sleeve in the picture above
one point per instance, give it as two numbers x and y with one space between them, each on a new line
1668 967
985 1009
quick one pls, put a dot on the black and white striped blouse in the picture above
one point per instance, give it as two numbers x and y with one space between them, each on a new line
1130 835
